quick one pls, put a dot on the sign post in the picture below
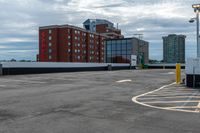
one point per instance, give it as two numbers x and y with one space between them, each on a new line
133 61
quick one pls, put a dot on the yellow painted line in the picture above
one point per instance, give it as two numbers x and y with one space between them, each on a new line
134 99
122 81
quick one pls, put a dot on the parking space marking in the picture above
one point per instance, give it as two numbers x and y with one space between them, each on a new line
175 99
183 107
166 97
198 107
184 101
122 81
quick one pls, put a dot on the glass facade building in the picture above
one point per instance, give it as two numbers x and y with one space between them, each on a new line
120 50
174 48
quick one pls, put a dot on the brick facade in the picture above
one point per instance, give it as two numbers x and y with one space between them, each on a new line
67 43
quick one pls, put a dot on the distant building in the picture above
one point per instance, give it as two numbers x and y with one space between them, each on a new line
66 43
174 48
120 50
102 26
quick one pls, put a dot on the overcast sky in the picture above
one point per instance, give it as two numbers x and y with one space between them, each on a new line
20 19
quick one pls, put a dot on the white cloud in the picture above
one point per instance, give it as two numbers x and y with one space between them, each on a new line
15 40
154 18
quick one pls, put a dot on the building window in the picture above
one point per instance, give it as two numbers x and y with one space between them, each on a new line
79 51
92 52
50 38
69 50
50 31
92 46
50 44
68 30
50 50
78 57
84 51
50 57
75 31
75 50
69 37
79 44
69 44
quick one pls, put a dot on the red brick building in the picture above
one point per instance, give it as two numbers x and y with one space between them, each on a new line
112 33
104 27
66 43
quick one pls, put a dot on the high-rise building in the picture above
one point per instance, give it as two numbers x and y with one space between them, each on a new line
66 43
102 26
120 50
174 48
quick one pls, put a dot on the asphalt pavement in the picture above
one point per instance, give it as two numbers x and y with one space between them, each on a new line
93 102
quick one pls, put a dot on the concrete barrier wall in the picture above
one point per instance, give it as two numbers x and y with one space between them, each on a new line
13 68
1 69
10 68
164 66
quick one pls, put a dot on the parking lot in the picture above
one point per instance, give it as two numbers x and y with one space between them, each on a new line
171 97
98 102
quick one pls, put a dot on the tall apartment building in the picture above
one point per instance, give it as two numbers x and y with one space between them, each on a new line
174 48
66 43
120 50
104 27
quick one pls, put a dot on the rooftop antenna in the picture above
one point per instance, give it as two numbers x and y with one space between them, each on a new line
140 36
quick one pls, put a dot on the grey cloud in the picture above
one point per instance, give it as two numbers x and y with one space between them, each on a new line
21 20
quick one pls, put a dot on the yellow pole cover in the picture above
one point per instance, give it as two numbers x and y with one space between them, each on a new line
178 73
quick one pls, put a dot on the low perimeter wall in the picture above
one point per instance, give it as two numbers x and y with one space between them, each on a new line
14 68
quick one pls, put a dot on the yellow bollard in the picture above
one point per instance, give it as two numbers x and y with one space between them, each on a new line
178 73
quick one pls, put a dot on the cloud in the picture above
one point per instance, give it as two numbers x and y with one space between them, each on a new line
153 18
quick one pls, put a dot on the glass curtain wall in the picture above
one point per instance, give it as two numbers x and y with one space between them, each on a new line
119 51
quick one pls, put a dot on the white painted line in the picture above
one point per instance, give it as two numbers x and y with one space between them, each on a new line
183 101
159 95
165 97
134 99
190 98
182 107
171 72
174 93
198 107
122 81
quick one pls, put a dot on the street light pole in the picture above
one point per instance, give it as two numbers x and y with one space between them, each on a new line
198 47
197 10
